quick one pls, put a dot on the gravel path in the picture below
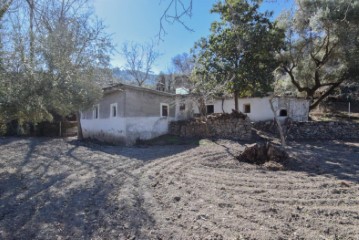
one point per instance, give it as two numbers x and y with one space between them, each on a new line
57 189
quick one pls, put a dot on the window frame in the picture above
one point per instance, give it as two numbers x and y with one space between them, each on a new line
245 108
97 106
168 109
111 110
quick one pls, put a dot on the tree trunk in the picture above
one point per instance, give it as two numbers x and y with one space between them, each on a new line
280 129
31 31
202 107
223 104
79 127
236 94
325 94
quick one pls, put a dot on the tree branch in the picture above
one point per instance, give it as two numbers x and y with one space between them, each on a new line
180 11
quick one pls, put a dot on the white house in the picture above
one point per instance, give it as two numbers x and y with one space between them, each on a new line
127 113
258 109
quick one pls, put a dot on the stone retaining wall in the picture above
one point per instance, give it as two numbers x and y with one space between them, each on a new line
234 126
314 130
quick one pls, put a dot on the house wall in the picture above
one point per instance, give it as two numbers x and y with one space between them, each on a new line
139 116
115 97
143 114
143 103
112 130
144 128
260 109
298 109
104 106
187 112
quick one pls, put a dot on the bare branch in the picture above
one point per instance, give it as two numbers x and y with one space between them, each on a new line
139 60
180 10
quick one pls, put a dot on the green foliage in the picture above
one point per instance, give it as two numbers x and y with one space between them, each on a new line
54 67
321 49
240 49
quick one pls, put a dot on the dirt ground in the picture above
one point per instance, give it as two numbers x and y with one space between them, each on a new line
62 189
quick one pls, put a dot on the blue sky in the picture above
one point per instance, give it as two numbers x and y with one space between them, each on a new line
138 21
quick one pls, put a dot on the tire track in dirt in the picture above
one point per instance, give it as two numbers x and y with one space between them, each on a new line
255 199
182 193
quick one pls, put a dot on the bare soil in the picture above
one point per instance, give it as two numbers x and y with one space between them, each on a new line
62 189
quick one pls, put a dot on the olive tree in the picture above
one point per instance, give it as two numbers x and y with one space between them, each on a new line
321 49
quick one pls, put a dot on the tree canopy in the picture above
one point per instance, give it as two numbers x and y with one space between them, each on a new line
53 55
240 49
321 48
140 59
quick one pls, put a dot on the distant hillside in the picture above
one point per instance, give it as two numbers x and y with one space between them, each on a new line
125 77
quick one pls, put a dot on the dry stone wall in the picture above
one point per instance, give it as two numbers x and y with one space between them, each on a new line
314 130
234 126
323 130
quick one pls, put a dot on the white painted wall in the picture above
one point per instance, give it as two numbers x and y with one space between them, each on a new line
299 109
105 129
187 112
128 129
145 128
260 108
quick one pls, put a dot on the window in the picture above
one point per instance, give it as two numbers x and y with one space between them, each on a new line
113 111
283 113
182 107
210 109
247 108
96 111
164 110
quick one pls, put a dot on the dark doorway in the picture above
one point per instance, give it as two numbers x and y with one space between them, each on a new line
210 109
283 113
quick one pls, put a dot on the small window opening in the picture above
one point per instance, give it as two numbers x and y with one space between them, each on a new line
182 107
96 112
164 110
114 111
283 113
210 109
247 108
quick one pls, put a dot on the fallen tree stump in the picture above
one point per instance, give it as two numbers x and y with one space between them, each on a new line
262 153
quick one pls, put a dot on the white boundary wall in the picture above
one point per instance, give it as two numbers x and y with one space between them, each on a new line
126 130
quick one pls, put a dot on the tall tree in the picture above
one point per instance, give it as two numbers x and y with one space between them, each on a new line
139 60
183 65
161 82
322 47
53 66
240 49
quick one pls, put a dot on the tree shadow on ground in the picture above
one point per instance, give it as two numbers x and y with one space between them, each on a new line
66 194
140 152
334 158
8 140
